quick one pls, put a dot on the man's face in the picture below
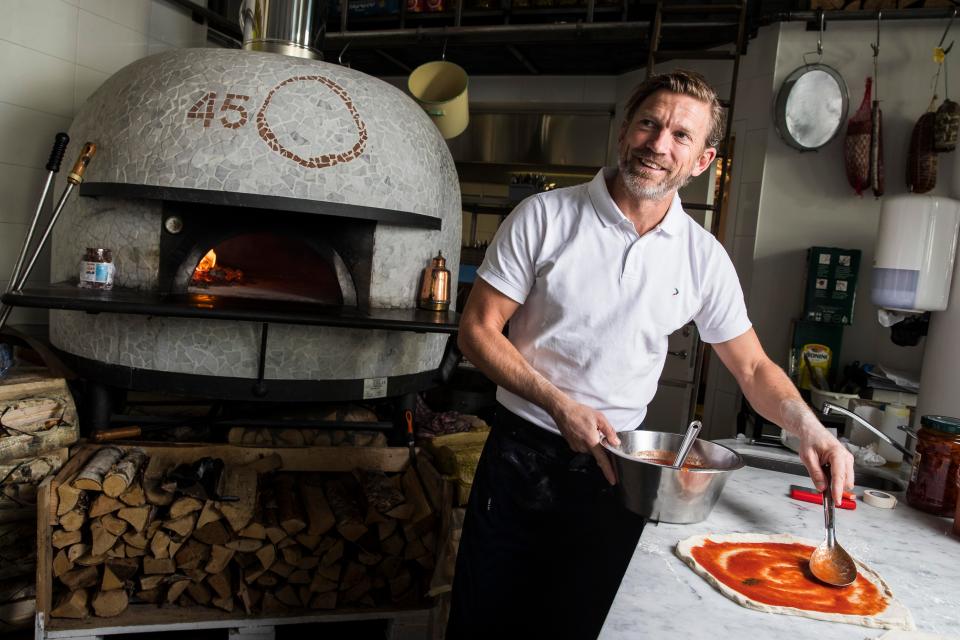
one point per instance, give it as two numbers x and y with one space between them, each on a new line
664 145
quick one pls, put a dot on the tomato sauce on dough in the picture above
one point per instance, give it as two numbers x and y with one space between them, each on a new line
778 574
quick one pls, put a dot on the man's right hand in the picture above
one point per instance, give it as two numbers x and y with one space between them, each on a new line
582 428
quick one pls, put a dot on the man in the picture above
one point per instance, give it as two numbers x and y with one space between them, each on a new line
592 280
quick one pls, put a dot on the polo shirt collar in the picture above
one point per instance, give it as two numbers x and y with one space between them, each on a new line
610 214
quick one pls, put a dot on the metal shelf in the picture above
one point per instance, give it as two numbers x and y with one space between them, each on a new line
67 296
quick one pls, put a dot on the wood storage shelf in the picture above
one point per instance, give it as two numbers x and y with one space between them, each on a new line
301 535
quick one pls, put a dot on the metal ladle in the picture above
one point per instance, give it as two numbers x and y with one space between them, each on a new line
830 563
688 439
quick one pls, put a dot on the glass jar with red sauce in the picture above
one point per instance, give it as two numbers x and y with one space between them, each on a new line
933 486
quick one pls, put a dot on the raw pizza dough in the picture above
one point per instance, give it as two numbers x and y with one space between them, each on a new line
895 616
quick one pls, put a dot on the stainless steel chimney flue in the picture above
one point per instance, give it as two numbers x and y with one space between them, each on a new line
290 27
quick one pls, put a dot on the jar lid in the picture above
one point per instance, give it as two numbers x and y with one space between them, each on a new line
941 423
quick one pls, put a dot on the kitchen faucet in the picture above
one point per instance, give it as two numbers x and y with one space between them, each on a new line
829 407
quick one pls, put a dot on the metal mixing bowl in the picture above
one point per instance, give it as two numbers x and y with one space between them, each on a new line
667 494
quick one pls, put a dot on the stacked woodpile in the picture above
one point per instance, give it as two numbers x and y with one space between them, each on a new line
324 437
267 541
38 420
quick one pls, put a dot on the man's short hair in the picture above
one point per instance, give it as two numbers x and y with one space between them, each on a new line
688 83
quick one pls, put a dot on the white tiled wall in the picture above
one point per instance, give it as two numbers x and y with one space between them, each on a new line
53 55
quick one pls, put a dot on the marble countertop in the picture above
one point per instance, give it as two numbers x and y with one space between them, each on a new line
916 554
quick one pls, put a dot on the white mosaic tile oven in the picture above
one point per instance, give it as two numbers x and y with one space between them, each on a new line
202 147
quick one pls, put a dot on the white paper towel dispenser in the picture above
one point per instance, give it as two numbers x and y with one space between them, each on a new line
916 245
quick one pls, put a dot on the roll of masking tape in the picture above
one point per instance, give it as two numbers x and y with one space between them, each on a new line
879 499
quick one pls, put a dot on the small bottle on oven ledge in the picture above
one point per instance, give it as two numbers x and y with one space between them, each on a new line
96 269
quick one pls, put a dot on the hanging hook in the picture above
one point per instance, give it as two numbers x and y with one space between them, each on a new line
443 53
947 30
823 20
876 58
343 51
876 47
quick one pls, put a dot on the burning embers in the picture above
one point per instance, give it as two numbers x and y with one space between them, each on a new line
267 266
208 272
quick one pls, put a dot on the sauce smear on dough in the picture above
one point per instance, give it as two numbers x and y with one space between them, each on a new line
778 574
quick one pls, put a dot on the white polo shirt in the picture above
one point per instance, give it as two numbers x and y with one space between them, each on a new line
598 301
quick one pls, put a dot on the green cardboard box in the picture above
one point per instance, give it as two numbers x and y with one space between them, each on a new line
831 288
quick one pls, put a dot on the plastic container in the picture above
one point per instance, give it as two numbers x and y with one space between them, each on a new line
933 478
916 246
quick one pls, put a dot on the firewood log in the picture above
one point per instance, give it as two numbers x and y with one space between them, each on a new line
31 414
223 603
281 568
386 528
175 543
61 563
267 464
151 582
212 533
63 538
208 514
103 504
114 525
135 539
246 545
299 576
134 496
324 601
91 476
136 516
271 605
73 520
77 550
393 545
220 583
108 604
200 593
151 596
81 578
67 496
308 541
391 566
357 591
152 527
175 589
184 505
123 473
369 558
72 605
243 593
134 552
400 584
110 580
118 550
102 538
414 549
266 580
345 507
330 572
160 545
319 514
239 481
290 511
219 557
267 554
333 554
288 595
292 555
244 559
122 570
252 573
319 584
153 566
255 531
423 518
192 555
402 512
181 526
308 562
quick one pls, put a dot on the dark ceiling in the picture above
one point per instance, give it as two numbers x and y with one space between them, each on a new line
499 37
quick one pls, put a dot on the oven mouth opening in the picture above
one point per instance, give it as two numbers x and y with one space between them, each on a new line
271 266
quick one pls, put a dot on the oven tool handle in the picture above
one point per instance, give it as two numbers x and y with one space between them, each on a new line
53 166
408 418
74 178
259 388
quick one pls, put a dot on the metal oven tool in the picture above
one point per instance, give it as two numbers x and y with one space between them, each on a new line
74 178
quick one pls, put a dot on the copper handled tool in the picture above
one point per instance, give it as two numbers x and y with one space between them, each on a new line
74 178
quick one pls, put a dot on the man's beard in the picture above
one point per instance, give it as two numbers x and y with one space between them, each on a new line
633 179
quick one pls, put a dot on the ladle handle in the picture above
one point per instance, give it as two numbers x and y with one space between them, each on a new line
828 509
692 432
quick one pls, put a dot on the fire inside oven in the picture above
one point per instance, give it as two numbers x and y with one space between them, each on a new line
267 266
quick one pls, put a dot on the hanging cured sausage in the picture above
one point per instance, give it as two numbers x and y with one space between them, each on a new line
856 145
922 159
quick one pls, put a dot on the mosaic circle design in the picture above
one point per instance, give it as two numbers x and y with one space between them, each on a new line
300 106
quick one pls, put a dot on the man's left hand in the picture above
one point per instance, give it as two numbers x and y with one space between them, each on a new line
818 447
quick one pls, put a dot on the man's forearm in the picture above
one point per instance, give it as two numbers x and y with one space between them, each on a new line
774 396
492 353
